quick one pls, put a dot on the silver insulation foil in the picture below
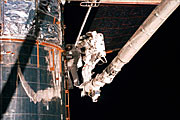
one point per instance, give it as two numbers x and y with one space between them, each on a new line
17 18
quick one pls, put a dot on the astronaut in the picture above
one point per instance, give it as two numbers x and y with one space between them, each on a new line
73 62
94 51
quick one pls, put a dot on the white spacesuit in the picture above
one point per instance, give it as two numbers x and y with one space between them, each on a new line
94 51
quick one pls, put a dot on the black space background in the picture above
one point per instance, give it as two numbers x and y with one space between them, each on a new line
146 88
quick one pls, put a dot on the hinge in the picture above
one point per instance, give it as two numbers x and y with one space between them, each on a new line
93 3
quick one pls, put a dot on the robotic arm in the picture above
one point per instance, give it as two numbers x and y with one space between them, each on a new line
140 37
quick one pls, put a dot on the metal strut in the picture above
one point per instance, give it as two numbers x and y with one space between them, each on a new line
85 19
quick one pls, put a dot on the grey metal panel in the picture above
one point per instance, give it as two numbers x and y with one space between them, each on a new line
17 17
21 108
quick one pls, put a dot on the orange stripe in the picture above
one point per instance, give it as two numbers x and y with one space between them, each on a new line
37 54
60 63
57 22
109 51
41 43
66 91
67 105
68 113
51 45
54 20
53 59
18 40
